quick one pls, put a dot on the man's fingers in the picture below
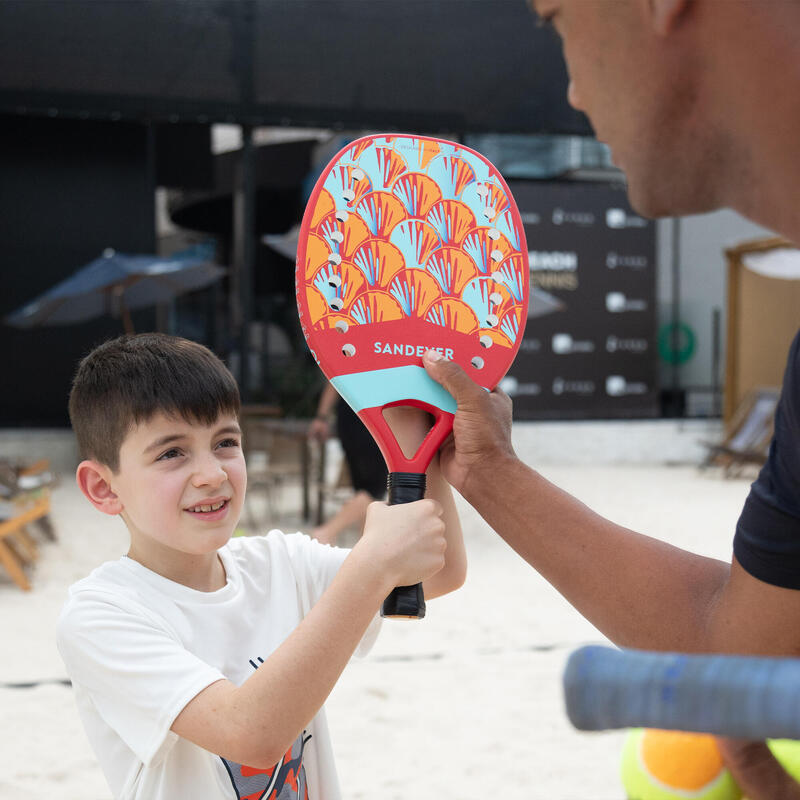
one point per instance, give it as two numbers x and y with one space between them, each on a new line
450 376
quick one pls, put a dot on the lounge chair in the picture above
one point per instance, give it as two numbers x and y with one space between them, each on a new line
748 435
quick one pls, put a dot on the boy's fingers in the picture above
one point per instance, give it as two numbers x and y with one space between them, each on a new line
450 376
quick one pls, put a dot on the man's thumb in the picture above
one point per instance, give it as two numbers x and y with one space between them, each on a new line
449 375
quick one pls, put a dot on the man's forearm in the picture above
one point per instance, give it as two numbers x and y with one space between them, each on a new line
639 591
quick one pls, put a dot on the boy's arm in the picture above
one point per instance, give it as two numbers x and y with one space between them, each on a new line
410 426
255 723
454 572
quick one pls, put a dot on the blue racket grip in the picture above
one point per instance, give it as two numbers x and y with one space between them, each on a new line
738 696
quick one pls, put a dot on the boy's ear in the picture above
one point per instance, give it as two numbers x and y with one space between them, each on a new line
665 15
94 480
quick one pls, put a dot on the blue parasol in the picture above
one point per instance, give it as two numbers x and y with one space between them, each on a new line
116 283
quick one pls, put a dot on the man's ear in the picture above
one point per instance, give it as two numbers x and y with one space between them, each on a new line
666 15
94 480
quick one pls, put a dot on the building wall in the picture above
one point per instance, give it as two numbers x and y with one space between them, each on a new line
703 287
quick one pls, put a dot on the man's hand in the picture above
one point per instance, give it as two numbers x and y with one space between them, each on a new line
757 771
482 425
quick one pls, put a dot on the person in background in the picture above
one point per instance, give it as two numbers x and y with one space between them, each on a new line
365 464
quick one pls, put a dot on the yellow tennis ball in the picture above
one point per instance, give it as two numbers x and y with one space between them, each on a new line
668 765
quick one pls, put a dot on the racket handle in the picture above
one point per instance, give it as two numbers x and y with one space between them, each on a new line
744 697
405 602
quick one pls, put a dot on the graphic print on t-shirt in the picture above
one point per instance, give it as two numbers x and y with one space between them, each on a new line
285 781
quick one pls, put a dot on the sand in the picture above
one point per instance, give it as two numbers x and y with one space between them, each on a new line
465 704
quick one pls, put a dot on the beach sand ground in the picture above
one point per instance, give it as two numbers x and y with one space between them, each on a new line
466 704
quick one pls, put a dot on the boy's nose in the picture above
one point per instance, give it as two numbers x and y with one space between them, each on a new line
209 472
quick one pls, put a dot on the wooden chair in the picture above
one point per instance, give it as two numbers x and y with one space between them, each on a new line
277 452
27 500
17 548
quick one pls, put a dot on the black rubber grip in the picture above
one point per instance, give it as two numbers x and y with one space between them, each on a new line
405 602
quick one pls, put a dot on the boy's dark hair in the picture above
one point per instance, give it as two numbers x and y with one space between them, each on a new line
128 380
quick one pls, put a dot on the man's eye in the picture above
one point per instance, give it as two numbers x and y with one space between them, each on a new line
173 452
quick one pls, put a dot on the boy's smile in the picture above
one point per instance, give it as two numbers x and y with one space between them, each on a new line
180 487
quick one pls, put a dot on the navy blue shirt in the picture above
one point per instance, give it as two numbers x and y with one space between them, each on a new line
767 540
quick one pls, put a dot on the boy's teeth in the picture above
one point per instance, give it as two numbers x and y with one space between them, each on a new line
206 508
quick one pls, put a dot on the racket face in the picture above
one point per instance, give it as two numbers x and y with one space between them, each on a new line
410 243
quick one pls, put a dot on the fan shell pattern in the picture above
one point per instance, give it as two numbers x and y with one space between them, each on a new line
407 227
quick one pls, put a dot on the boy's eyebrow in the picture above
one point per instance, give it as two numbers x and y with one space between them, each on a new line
172 437
230 429
176 437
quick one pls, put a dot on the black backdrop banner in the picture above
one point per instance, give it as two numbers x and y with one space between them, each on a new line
589 349
427 65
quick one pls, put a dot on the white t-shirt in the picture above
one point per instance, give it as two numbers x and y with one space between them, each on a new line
138 647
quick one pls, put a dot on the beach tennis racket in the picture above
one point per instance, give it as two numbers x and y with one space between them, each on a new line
410 243
744 697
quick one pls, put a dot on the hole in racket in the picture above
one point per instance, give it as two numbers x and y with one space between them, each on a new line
413 423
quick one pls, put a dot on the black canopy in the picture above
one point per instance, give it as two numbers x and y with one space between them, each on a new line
426 65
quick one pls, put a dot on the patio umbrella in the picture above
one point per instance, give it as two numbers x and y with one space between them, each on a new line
116 283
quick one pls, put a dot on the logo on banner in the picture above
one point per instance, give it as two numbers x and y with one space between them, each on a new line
530 345
617 302
567 386
619 218
617 386
553 260
561 217
530 218
513 388
563 344
614 260
616 344
553 269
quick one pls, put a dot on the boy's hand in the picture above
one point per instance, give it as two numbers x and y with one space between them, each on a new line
405 543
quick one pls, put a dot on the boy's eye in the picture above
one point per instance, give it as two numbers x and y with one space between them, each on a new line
173 452
229 443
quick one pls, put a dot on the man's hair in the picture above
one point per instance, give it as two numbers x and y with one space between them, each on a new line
127 381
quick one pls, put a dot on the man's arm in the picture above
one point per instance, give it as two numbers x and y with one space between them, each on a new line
639 591
758 773
255 723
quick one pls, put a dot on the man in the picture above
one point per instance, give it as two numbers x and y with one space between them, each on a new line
699 101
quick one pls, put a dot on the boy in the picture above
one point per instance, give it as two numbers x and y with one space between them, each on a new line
200 665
